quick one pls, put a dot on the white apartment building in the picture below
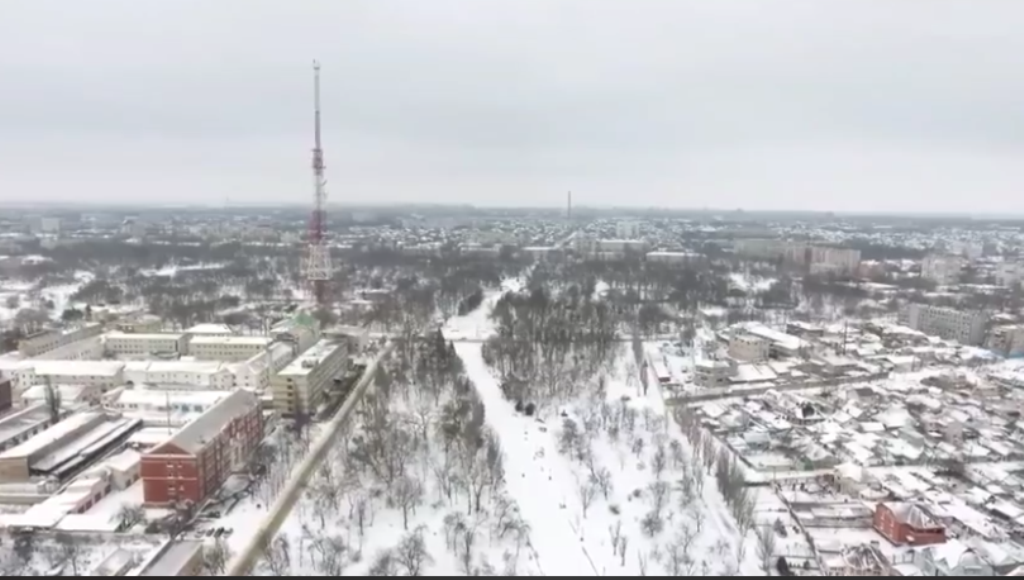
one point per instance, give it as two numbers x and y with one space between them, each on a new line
141 345
749 348
941 269
227 348
48 340
834 260
198 374
965 327
301 386
102 374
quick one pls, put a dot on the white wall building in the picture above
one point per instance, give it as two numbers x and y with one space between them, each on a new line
200 374
965 327
102 374
941 269
142 345
227 348
86 349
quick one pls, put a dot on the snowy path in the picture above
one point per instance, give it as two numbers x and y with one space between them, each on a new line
558 546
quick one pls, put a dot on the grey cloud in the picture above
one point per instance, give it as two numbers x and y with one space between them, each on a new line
676 102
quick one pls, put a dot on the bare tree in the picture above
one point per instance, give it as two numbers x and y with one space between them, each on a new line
660 461
70 550
602 479
411 553
408 494
216 557
277 556
331 551
128 515
765 546
697 515
659 491
384 564
587 492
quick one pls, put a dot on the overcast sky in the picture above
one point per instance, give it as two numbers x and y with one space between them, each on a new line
846 105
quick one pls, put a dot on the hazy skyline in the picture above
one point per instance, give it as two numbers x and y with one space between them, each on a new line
867 105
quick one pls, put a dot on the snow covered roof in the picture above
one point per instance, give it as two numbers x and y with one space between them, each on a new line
145 336
78 368
194 436
210 328
231 340
52 435
311 357
913 516
172 558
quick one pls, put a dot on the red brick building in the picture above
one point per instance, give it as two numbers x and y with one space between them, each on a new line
194 462
907 524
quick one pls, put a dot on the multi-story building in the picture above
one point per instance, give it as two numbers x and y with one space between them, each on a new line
103 374
255 373
300 387
141 345
193 463
748 348
86 349
227 348
834 260
965 327
942 269
184 373
1009 274
41 342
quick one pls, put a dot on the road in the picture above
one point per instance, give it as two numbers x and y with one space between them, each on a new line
244 562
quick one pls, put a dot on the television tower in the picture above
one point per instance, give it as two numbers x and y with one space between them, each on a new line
318 255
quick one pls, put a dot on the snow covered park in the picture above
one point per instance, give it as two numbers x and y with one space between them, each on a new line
442 474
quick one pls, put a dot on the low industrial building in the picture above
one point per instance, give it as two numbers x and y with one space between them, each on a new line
194 462
23 425
65 448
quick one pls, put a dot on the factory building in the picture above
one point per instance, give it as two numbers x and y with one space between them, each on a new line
227 348
137 345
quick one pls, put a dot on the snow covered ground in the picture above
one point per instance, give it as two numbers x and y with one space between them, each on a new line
599 480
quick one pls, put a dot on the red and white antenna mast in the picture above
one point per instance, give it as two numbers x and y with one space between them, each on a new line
318 256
